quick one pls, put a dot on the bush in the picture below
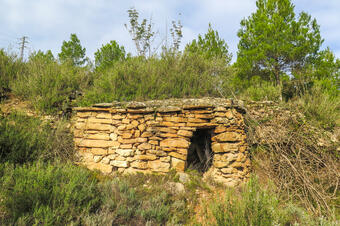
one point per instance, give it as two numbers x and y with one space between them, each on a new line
46 194
139 199
25 139
170 76
10 67
254 205
321 105
49 85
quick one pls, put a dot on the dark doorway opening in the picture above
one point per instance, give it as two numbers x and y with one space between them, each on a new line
200 154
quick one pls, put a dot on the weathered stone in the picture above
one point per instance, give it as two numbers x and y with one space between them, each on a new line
228 136
177 155
137 133
224 147
126 141
97 158
99 120
98 151
178 164
175 188
146 157
84 114
182 151
104 115
229 115
98 136
104 168
139 165
95 143
168 135
125 146
126 135
141 140
105 160
174 119
134 123
144 146
185 133
228 170
154 142
159 166
113 136
147 134
167 130
141 127
98 126
124 152
220 129
126 121
78 133
118 163
165 159
80 125
180 143
197 120
170 124
219 164
116 116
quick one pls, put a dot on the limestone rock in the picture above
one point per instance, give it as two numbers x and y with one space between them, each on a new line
118 163
159 166
124 152
180 143
178 164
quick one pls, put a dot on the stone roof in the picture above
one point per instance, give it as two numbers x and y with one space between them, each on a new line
168 105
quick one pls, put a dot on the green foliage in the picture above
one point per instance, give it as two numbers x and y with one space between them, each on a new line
171 76
108 54
210 46
46 194
25 139
140 199
72 52
142 33
257 206
10 67
274 42
50 86
254 206
321 104
41 56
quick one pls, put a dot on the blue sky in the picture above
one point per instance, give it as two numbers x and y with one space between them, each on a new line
48 22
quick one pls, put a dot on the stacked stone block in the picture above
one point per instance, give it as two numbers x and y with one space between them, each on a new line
154 136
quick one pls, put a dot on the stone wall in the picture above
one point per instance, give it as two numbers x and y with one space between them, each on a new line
155 136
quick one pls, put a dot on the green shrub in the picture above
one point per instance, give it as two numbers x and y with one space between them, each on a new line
170 76
25 139
46 194
254 206
10 67
50 86
321 105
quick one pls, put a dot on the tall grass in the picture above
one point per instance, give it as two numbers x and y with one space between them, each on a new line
254 205
26 139
49 85
10 68
171 76
46 194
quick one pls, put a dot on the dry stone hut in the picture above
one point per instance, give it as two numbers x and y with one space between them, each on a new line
155 136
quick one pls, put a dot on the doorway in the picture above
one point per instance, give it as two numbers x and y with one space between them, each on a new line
200 155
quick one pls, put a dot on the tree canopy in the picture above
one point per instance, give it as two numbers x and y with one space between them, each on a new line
275 42
72 52
210 45
108 54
